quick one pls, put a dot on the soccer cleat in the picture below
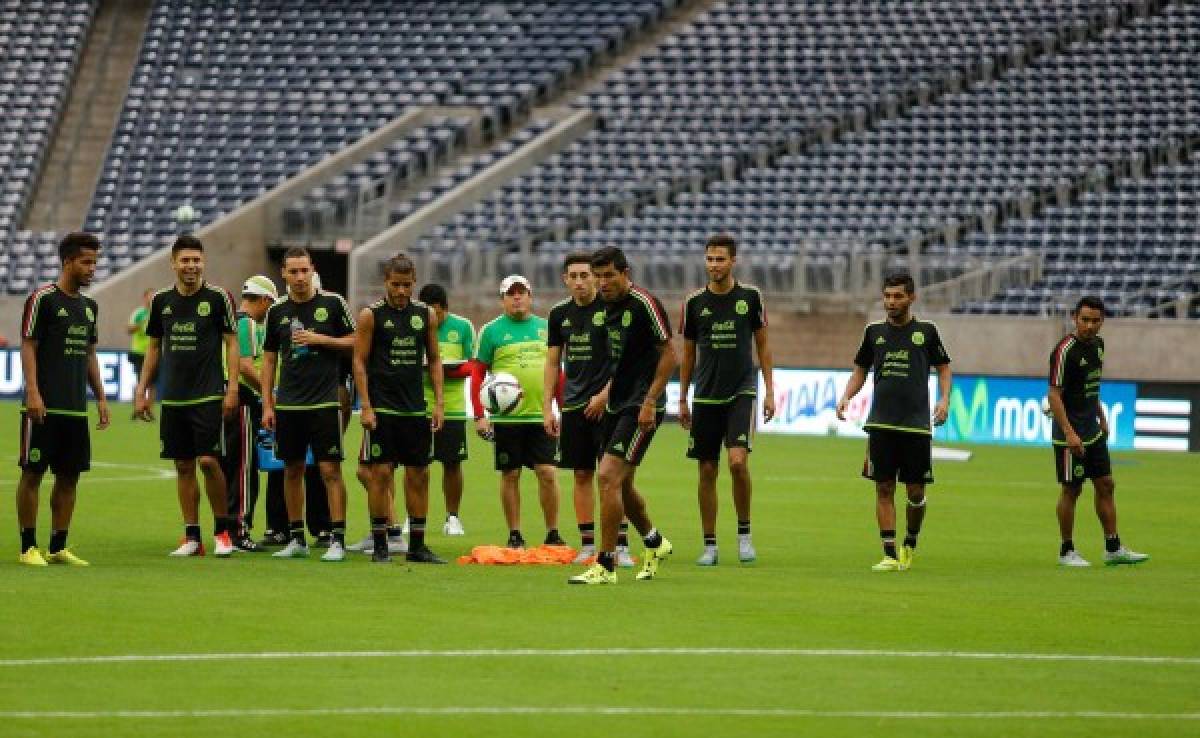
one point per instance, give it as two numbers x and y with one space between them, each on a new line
1073 560
709 557
907 553
380 557
365 545
397 545
222 545
887 564
322 539
515 541
554 539
423 555
32 557
746 552
336 552
274 538
594 574
294 550
243 542
586 553
65 557
651 558
1124 556
188 547
624 559
453 526
405 530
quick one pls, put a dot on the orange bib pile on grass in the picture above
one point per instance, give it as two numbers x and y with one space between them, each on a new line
497 555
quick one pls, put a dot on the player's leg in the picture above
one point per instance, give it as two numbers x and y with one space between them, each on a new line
547 481
1070 480
293 493
216 489
378 480
62 509
276 533
1115 552
187 489
657 547
413 442
583 496
27 512
739 434
452 492
708 470
882 467
510 503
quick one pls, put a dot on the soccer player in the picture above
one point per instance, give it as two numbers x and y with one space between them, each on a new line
396 337
240 462
721 325
899 352
308 332
58 360
137 337
188 324
515 342
1080 434
642 360
578 348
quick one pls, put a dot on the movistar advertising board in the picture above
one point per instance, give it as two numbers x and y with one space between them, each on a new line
115 372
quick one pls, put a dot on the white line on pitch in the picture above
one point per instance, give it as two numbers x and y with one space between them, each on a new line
601 710
602 652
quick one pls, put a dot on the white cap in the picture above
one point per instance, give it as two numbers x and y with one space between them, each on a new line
260 286
507 283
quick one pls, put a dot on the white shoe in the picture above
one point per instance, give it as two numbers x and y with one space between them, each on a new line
336 552
1073 560
585 553
366 545
746 552
453 526
294 550
188 547
1124 556
624 559
222 545
397 545
404 530
709 557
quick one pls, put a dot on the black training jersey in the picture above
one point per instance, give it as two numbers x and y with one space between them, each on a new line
65 330
900 358
723 327
637 325
191 330
396 368
1076 367
308 375
581 334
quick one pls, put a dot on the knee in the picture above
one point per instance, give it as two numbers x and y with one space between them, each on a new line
330 474
885 489
209 465
185 467
739 466
1105 487
916 496
708 470
584 477
294 472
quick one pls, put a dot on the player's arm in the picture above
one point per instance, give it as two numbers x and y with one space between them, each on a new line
483 426
433 353
358 366
270 360
249 373
141 395
97 385
232 358
766 363
35 406
599 402
550 373
667 362
945 382
686 367
858 378
1059 410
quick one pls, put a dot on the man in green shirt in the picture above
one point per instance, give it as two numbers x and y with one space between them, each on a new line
138 340
515 343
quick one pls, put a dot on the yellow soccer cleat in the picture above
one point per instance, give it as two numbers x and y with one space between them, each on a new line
595 574
907 553
66 557
651 559
888 564
32 557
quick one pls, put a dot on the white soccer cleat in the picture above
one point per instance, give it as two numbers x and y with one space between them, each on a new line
1073 560
188 547
746 552
1124 556
294 550
709 557
453 526
223 545
336 552
397 545
625 560
586 554
366 545
405 530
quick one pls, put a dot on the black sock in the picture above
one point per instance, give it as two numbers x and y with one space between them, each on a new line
58 541
889 542
623 534
710 539
653 539
910 539
587 534
1112 543
608 559
515 535
416 533
1067 547
191 532
379 533
296 529
221 524
339 531
395 531
28 539
743 527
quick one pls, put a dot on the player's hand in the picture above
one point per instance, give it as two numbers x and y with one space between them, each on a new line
483 427
35 407
102 411
268 418
550 423
437 418
367 417
841 409
1075 443
141 405
769 407
307 338
647 417
685 414
594 410
229 406
940 412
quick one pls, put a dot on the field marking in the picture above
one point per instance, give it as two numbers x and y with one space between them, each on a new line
151 474
602 710
601 652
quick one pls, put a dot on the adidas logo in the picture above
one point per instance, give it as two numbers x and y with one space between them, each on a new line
705 312
619 447
879 340
742 437
332 450
62 312
1083 362
167 310
507 337
388 324
567 323
285 320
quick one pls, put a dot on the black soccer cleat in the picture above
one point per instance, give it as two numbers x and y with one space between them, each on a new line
515 541
423 555
323 539
244 542
554 539
274 538
381 557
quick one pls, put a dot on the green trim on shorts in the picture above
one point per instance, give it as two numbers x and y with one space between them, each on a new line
66 413
726 400
401 413
900 428
1088 442
320 406
522 420
198 401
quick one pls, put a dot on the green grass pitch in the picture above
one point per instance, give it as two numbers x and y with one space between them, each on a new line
840 651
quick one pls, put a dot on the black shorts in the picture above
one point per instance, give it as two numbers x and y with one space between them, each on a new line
60 443
319 428
404 440
450 443
192 431
899 456
1072 470
624 439
731 423
522 444
136 361
580 441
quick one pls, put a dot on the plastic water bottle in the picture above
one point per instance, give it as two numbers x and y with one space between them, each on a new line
298 351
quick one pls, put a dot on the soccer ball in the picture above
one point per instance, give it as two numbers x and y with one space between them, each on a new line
501 393
185 214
